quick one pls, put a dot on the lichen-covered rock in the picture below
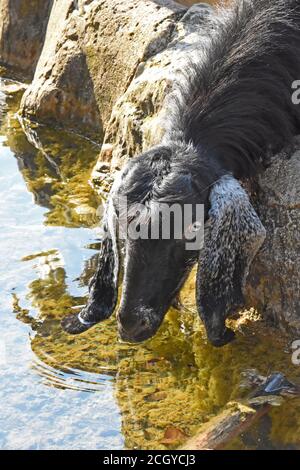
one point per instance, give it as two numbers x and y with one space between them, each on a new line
22 31
274 282
92 51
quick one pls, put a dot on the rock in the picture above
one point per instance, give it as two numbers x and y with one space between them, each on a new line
274 284
62 91
106 153
189 3
22 32
137 118
12 88
82 72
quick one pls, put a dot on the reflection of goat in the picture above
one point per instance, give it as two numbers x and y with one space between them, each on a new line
233 108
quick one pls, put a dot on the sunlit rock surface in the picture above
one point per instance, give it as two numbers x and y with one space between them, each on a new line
137 119
92 51
23 25
62 91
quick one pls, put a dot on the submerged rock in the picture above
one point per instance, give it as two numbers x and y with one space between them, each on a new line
22 31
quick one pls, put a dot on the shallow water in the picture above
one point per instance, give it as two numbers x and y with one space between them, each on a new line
92 391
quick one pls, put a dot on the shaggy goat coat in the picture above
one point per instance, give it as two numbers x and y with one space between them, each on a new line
235 104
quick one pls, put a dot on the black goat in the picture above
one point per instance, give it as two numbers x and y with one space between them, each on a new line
233 108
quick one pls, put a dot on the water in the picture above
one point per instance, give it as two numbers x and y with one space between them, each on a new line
92 391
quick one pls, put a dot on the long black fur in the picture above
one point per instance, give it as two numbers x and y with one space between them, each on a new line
234 103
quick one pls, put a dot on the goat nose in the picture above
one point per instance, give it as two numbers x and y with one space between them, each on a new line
134 335
127 319
221 339
132 325
136 326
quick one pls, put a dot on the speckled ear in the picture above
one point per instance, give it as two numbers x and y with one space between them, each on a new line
233 235
103 291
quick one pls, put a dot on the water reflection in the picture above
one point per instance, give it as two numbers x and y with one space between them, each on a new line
44 247
56 167
154 380
174 380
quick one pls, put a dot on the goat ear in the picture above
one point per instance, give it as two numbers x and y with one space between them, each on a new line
233 235
103 291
